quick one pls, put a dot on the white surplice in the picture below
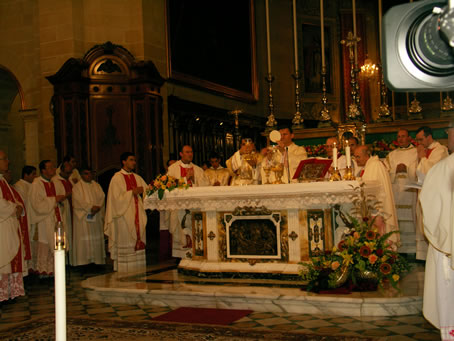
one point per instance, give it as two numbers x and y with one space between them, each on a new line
42 213
405 198
220 174
437 152
88 238
180 222
375 170
120 224
243 172
295 154
438 209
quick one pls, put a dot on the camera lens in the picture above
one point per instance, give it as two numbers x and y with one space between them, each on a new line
428 51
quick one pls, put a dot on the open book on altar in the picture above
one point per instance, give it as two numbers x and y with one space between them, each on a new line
312 169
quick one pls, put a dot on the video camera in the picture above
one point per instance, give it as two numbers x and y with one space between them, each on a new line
418 41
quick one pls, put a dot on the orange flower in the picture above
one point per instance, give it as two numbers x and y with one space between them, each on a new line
164 178
365 251
372 259
335 265
356 235
385 268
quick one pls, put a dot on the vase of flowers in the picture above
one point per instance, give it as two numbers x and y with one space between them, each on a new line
163 183
366 256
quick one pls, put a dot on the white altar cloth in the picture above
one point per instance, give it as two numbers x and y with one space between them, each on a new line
294 200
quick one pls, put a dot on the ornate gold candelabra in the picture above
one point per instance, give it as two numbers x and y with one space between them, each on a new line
349 173
325 117
336 175
415 110
297 121
447 108
354 109
236 133
271 123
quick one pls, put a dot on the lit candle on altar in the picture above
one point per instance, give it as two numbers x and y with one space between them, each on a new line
348 156
267 10
322 33
295 36
335 155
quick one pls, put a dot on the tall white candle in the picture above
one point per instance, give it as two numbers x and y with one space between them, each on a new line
354 30
322 33
295 36
60 295
348 156
335 155
267 10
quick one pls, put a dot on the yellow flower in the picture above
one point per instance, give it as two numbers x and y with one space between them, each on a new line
371 245
334 249
347 258
395 277
350 241
163 187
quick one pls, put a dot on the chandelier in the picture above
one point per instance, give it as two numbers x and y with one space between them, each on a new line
368 70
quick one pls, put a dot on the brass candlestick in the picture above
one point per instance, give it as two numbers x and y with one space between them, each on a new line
415 110
384 114
297 121
349 173
325 117
447 108
271 123
354 109
336 175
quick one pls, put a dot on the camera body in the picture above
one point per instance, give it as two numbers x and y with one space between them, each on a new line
417 55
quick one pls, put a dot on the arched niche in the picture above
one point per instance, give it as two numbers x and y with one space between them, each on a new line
107 103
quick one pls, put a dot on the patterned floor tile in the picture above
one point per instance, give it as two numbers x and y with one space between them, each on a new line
314 323
272 321
355 326
405 329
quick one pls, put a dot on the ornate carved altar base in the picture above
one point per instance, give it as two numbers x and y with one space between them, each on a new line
258 229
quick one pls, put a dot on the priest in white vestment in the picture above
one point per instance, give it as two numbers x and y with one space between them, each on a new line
429 153
64 186
401 164
11 255
45 205
24 184
291 154
216 174
74 177
180 224
245 165
375 170
125 219
438 210
88 220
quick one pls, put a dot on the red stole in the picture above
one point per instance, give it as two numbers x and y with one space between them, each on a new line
183 172
50 192
23 226
131 183
428 151
16 262
362 173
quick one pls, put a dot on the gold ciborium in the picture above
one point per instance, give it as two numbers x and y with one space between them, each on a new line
277 166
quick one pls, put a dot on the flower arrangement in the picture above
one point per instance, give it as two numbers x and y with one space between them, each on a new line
165 182
382 148
363 259
316 150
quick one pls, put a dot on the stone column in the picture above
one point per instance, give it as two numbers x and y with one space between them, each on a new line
31 132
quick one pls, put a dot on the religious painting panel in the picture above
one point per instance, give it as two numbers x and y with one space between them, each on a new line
211 44
316 232
199 236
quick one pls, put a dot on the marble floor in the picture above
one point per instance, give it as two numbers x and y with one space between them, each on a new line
39 302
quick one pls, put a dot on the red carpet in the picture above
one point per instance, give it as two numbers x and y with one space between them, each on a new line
203 315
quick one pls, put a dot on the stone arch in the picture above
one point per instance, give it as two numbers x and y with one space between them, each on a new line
12 134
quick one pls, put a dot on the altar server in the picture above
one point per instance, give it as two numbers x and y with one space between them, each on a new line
180 225
401 164
11 256
438 206
216 174
374 170
24 184
88 227
44 211
125 218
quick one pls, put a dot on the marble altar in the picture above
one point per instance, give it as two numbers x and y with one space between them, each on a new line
259 229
